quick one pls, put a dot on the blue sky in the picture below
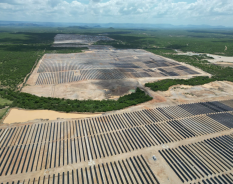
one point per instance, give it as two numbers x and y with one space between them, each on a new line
177 12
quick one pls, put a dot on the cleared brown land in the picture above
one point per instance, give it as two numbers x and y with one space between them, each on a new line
77 39
187 143
224 61
21 115
102 74
219 90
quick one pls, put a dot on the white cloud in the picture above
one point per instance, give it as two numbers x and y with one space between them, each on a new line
131 11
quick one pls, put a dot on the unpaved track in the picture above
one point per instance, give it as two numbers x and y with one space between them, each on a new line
25 79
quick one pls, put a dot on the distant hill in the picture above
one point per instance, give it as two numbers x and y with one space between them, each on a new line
21 24
79 27
108 25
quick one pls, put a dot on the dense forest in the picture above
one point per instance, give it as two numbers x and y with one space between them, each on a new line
28 101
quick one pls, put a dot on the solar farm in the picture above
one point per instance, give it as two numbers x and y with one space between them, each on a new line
102 65
106 65
187 143
159 142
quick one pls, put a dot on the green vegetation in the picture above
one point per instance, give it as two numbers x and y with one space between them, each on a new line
28 101
3 112
15 63
3 106
164 85
201 41
5 101
59 50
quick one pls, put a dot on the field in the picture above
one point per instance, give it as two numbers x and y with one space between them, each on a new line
3 106
21 115
4 102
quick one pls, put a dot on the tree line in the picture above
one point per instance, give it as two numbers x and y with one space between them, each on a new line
28 101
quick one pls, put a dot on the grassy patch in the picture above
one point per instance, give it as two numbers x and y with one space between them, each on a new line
5 101
3 112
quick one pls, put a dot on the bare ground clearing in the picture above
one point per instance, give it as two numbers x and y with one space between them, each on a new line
178 94
78 39
217 59
21 115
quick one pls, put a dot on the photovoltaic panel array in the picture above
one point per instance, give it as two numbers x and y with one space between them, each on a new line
32 148
106 65
201 159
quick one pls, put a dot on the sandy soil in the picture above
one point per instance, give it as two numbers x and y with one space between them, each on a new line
80 39
84 90
16 115
224 64
216 59
219 59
